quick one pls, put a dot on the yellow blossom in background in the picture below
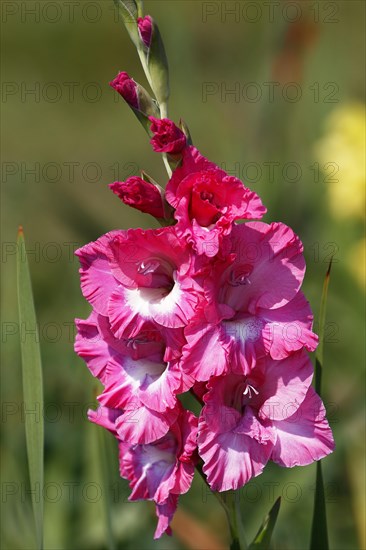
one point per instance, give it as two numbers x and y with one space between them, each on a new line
344 144
356 261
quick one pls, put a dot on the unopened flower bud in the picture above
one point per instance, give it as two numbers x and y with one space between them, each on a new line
137 98
127 88
145 30
140 194
168 138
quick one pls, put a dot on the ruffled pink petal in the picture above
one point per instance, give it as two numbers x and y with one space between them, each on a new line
159 392
91 347
204 355
188 452
140 425
305 436
289 328
151 470
231 459
165 513
285 385
97 280
268 270
105 417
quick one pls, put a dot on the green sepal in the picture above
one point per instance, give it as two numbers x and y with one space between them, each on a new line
168 210
129 10
183 126
157 64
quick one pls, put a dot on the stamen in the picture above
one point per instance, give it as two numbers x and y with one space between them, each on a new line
240 275
250 390
147 267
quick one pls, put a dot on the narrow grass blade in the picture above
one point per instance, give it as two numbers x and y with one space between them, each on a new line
322 315
107 480
32 385
263 537
319 531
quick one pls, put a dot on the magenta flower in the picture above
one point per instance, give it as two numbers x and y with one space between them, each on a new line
127 88
165 466
159 471
207 202
145 28
138 378
272 414
164 469
136 276
140 194
253 304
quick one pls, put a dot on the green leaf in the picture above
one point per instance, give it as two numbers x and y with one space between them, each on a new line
322 316
263 537
129 11
32 384
104 451
319 531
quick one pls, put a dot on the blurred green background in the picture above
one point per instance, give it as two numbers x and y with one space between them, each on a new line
293 129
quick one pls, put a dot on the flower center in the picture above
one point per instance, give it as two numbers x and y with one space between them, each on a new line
206 196
148 266
240 275
250 391
155 273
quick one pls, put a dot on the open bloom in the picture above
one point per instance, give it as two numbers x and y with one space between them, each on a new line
207 201
164 469
272 414
137 374
255 306
136 276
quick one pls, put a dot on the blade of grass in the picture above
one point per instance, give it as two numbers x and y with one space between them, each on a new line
319 530
263 537
104 451
32 385
322 315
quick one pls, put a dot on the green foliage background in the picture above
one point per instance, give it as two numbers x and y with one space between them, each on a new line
58 216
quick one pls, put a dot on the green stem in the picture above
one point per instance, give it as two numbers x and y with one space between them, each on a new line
233 515
164 114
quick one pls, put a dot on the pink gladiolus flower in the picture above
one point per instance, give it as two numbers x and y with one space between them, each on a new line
137 378
144 25
164 469
168 138
136 276
255 307
127 88
273 414
207 202
140 194
159 471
